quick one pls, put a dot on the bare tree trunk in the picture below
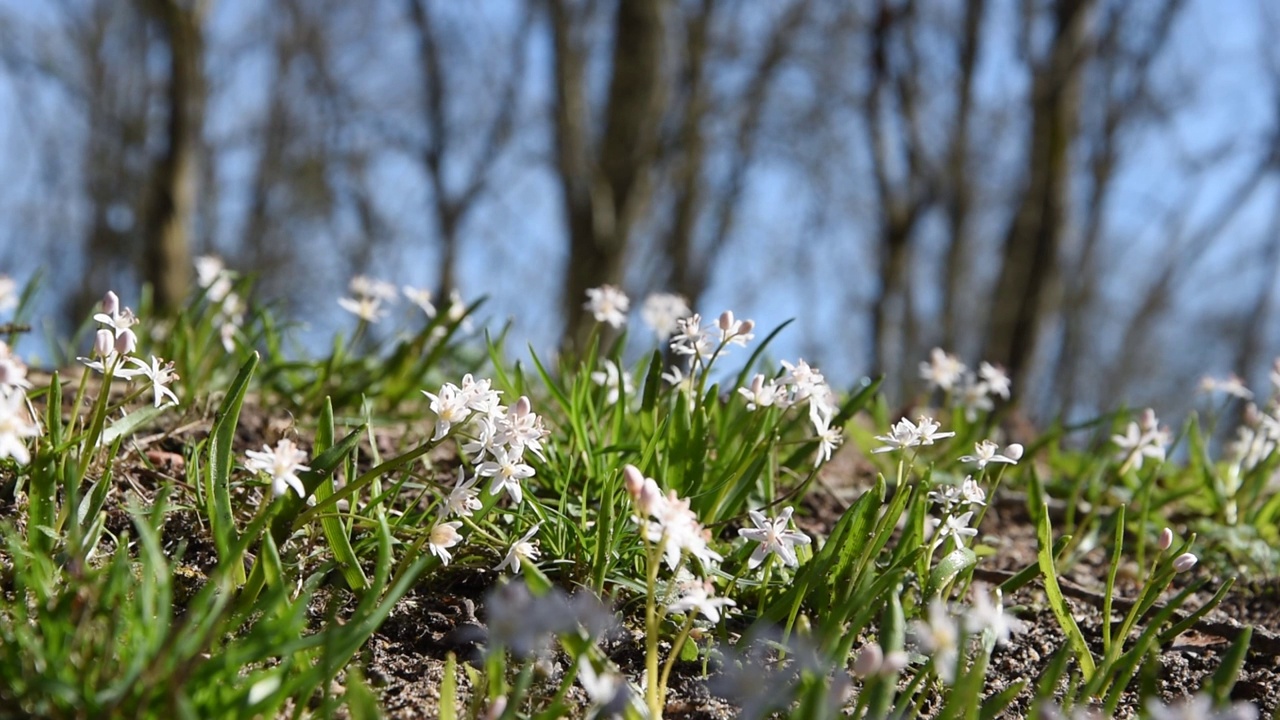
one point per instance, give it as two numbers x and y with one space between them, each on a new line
170 211
1029 271
605 191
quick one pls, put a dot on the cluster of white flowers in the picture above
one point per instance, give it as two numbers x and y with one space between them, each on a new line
906 434
114 344
1143 438
799 383
701 343
668 522
218 283
974 391
367 297
16 423
496 438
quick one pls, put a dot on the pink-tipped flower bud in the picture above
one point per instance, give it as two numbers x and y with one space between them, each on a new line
894 662
523 406
104 342
757 384
634 481
126 342
746 326
1185 562
110 303
726 320
1166 539
869 660
1014 452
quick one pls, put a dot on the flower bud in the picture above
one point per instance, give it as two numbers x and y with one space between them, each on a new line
1014 452
126 342
869 660
523 406
634 480
726 320
1166 539
1184 562
110 303
894 662
103 343
746 326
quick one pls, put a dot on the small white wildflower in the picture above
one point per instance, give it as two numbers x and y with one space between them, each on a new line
940 638
986 615
282 464
942 371
523 550
16 426
761 393
903 434
1199 707
8 293
420 297
160 374
996 380
617 381
829 437
1232 385
692 339
450 407
986 452
698 597
662 313
365 286
975 397
507 471
13 372
462 498
927 431
1142 439
213 277
444 536
366 307
608 305
774 537
957 528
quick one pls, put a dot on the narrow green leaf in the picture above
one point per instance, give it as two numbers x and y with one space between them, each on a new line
1057 602
449 689
221 459
954 563
1224 678
335 530
126 425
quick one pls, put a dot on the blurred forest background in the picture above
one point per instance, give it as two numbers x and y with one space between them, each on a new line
1084 191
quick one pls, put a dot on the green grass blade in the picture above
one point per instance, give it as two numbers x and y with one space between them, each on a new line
335 530
1049 575
221 459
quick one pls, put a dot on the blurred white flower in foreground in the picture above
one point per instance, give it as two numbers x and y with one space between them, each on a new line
15 427
608 305
662 312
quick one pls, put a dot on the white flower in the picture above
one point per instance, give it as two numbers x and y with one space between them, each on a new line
662 313
1199 707
121 322
520 428
8 293
949 496
608 304
1141 440
366 307
761 392
987 452
996 380
420 297
616 380
927 430
13 372
974 397
957 528
903 434
986 615
507 471
942 371
774 537
677 530
450 407
692 339
160 376
525 549
829 438
282 464
462 498
804 377
15 427
444 536
697 597
1232 385
940 638
212 275
365 286
479 395
608 690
